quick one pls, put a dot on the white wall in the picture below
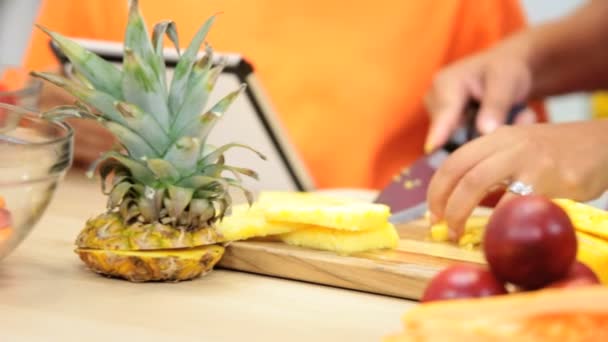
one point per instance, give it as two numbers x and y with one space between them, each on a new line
568 107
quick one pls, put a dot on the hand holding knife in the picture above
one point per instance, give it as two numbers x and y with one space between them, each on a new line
406 194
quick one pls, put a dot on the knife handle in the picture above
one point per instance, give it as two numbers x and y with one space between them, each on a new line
471 118
469 130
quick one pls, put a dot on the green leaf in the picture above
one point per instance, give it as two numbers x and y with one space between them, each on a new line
144 123
201 210
201 182
137 147
169 28
118 193
142 88
213 156
160 29
222 204
184 154
198 91
106 168
128 210
184 67
163 169
63 112
216 170
248 194
104 76
99 100
207 194
204 124
137 40
178 200
138 170
147 208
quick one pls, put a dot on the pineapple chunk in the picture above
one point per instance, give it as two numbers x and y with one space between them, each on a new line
472 236
246 222
322 210
341 241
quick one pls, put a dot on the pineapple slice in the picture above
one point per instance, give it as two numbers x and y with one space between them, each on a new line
245 223
322 210
341 241
156 265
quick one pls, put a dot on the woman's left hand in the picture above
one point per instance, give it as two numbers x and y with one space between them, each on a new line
558 160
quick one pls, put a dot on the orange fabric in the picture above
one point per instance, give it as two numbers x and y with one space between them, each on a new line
347 78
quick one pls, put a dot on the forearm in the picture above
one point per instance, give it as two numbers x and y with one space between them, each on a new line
567 55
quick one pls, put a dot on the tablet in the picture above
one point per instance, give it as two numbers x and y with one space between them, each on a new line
250 120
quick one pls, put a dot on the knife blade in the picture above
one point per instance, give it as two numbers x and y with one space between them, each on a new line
406 193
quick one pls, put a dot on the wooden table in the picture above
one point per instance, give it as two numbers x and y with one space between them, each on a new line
47 295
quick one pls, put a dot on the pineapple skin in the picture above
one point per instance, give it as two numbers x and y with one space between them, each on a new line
160 265
107 231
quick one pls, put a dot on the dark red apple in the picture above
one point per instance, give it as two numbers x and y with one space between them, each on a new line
463 281
579 275
529 242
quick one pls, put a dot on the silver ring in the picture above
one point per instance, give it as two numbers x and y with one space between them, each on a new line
520 188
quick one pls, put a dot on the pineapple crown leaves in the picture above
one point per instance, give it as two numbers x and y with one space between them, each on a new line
163 127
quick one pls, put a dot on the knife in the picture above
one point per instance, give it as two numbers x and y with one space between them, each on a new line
406 193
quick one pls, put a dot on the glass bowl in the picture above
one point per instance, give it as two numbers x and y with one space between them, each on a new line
34 156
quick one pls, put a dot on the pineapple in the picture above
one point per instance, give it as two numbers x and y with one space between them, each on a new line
167 187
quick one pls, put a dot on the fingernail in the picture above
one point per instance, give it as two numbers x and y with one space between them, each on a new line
433 218
488 124
428 147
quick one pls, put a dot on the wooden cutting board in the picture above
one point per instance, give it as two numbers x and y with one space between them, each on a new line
403 272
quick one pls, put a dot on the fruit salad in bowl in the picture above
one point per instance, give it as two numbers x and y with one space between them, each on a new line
34 155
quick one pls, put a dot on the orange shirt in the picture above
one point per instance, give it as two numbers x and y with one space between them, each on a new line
347 77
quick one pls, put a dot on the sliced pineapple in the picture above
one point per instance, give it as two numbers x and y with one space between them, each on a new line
245 223
157 265
322 210
342 241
